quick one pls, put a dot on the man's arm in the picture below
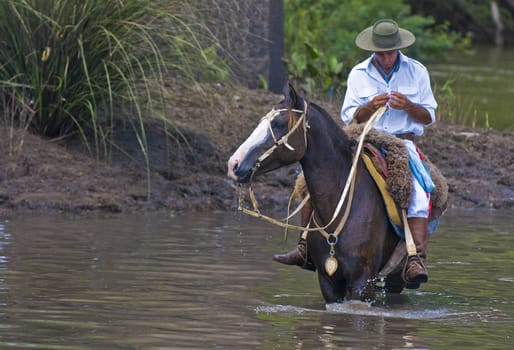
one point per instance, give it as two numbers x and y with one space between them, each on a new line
416 112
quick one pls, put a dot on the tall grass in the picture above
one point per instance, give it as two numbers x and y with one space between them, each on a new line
454 108
85 67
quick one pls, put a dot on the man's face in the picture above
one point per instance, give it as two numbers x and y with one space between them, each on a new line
387 59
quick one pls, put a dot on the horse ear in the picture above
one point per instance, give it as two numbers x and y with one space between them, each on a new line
291 98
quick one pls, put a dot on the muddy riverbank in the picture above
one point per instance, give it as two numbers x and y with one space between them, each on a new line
62 176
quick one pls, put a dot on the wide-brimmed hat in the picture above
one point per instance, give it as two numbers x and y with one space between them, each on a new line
384 35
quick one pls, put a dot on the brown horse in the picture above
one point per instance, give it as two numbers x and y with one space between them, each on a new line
297 131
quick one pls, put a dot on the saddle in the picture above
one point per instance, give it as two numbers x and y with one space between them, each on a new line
377 167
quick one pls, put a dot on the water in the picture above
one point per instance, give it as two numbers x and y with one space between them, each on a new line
483 84
207 281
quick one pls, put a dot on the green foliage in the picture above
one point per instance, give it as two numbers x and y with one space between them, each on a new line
320 38
263 83
84 67
435 42
68 60
474 16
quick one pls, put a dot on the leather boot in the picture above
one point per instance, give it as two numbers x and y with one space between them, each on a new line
415 270
299 255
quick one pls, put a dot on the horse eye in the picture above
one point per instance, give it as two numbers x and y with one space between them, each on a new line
279 121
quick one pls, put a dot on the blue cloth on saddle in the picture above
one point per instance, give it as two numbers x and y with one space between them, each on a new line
420 171
422 174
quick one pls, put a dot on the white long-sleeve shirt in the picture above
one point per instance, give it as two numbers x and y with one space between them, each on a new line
411 79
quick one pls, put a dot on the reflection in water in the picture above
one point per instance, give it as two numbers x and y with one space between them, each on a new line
208 281
4 241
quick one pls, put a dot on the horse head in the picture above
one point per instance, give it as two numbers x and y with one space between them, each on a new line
279 139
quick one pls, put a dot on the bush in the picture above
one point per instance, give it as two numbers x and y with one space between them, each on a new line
74 67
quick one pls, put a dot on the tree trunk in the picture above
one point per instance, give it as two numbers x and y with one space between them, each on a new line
495 13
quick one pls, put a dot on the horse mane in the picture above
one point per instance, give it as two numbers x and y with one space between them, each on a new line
333 126
324 112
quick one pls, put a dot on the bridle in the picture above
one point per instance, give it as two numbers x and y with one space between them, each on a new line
284 139
301 121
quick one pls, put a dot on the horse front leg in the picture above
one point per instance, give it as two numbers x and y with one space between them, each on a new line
360 278
332 289
362 289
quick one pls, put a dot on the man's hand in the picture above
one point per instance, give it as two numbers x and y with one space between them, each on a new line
400 101
379 101
364 112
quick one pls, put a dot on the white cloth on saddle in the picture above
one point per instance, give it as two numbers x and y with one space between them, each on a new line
420 200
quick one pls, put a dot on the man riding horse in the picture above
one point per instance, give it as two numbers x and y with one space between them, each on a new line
389 78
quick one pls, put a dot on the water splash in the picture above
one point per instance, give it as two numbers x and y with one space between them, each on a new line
506 279
286 309
367 309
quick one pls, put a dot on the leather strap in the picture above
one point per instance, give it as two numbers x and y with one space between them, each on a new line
406 136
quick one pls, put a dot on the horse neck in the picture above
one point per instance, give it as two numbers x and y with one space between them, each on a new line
326 164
